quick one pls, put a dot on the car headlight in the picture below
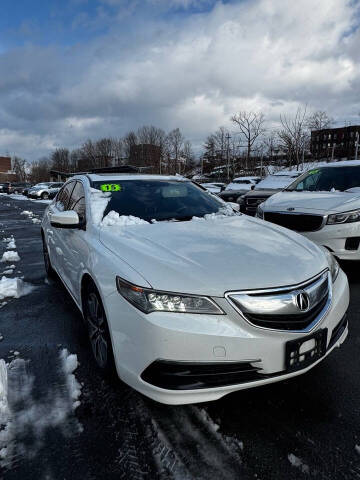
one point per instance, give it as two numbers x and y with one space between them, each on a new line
260 212
333 264
148 300
346 217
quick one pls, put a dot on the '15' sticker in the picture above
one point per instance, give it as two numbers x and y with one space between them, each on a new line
110 187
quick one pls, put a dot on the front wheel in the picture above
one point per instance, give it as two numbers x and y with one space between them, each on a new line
98 330
50 272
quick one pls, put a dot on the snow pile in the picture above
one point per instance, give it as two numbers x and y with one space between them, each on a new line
36 220
27 213
9 271
10 242
298 463
69 365
113 218
10 256
13 287
225 211
98 201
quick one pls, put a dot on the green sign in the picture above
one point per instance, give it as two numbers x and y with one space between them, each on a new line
110 187
312 172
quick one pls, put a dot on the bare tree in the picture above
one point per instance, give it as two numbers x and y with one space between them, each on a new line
319 120
129 140
175 141
251 126
60 160
40 170
293 135
19 165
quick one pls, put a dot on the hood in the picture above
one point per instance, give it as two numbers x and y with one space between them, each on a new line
321 202
210 257
262 192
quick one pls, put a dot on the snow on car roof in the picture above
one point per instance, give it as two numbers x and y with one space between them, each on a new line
100 177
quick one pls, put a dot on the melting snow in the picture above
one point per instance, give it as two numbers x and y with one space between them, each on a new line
99 202
113 218
298 463
13 287
10 257
69 365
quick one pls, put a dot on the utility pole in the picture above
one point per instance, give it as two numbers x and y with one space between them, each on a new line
332 152
227 155
356 145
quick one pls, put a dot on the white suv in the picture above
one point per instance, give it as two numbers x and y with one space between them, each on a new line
187 299
324 205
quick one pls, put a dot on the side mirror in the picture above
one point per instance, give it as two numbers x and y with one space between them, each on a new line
252 187
66 219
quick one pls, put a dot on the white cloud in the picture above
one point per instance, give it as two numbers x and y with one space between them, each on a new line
192 73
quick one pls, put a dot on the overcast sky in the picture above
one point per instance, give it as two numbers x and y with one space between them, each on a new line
77 69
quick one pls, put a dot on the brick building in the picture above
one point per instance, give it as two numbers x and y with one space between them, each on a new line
146 155
334 142
5 170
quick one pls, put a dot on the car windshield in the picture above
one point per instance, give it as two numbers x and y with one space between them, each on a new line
158 199
41 185
327 179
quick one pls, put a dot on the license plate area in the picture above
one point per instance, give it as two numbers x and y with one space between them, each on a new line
304 351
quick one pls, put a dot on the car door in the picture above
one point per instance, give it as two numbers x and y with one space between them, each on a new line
75 247
55 235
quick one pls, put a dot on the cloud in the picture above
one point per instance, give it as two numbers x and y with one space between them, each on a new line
191 71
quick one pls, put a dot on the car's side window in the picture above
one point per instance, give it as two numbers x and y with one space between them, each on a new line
63 197
77 201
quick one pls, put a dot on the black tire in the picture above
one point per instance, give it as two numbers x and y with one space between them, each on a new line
44 196
50 272
98 331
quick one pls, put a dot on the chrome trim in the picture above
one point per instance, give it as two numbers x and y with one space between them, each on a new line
293 291
323 223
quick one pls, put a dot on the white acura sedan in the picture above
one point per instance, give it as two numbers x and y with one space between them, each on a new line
185 298
324 205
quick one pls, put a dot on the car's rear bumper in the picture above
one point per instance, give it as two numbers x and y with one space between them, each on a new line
148 349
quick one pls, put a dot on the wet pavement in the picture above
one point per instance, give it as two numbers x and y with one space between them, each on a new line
307 426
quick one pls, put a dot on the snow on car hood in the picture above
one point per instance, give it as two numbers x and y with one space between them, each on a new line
213 256
324 202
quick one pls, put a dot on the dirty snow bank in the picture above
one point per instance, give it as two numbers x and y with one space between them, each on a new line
14 287
10 242
69 365
10 256
298 463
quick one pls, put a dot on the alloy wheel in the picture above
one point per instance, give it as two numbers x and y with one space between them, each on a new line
97 330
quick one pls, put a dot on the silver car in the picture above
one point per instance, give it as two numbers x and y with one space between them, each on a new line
45 190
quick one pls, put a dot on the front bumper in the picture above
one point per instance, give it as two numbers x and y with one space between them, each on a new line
336 239
224 341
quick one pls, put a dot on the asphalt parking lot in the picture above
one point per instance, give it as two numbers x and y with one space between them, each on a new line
307 426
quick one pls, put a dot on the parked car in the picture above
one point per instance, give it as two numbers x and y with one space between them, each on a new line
2 185
242 183
263 190
15 187
324 205
45 190
231 195
26 189
186 299
214 187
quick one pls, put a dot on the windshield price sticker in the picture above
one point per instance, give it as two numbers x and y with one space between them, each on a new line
110 187
312 172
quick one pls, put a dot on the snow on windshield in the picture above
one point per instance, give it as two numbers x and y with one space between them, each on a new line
275 181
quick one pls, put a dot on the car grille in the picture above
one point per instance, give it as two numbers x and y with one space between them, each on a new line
294 221
254 202
279 309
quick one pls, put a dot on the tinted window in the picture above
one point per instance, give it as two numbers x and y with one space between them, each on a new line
158 199
64 195
77 201
327 179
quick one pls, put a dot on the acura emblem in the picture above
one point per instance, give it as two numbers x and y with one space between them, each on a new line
302 301
290 209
